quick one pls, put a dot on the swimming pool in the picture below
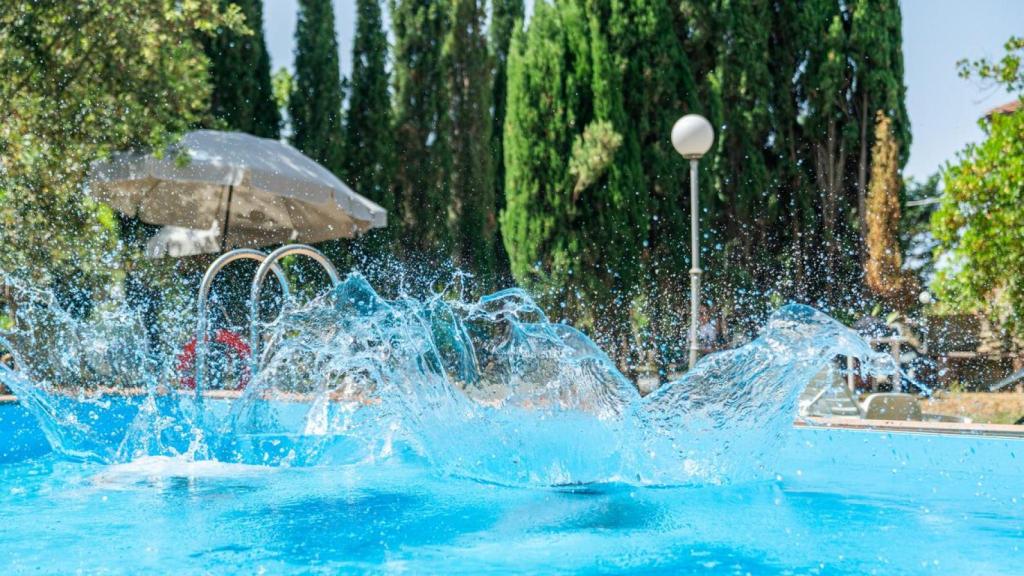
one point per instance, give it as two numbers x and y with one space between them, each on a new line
842 502
444 436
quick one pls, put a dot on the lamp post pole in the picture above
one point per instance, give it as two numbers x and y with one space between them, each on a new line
695 271
692 137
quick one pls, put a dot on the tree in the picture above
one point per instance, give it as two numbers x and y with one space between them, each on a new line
980 221
369 141
825 83
834 65
506 17
538 134
743 93
876 46
980 224
884 273
315 103
423 153
916 238
81 82
240 73
469 69
657 86
795 215
573 231
785 82
1007 71
281 84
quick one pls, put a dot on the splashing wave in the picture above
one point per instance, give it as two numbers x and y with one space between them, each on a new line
491 390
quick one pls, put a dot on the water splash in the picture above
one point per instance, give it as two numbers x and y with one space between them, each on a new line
489 389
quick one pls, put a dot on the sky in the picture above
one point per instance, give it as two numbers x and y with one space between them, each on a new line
944 109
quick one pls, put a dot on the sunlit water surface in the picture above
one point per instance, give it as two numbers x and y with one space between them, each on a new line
171 516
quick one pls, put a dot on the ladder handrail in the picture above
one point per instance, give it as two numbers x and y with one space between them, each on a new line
202 329
257 285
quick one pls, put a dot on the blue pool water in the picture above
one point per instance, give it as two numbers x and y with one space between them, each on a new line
437 435
840 502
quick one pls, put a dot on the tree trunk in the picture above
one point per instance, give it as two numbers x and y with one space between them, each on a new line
6 356
12 304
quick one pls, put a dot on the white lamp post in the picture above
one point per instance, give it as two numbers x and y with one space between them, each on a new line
692 137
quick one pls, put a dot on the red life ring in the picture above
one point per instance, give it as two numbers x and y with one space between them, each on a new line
236 347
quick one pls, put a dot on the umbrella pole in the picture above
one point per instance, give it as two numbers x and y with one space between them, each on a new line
227 220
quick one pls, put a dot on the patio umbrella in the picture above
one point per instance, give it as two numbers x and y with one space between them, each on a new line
214 191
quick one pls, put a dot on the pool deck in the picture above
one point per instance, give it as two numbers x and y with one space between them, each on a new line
838 423
912 426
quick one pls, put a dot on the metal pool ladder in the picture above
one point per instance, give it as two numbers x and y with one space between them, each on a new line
268 264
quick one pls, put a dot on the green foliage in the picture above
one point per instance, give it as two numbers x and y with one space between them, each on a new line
314 107
240 73
506 17
421 102
82 79
369 140
658 87
592 154
792 209
792 88
573 227
876 45
1007 71
797 85
743 91
281 83
469 89
561 128
980 222
537 221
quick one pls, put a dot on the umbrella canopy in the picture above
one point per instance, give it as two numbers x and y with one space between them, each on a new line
243 190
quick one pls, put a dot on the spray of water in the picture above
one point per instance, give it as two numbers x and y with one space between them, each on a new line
488 389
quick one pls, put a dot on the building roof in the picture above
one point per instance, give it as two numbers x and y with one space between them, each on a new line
1004 109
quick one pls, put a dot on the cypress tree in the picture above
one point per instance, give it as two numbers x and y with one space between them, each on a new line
537 222
796 215
659 87
240 75
573 230
506 18
617 205
472 180
745 88
622 222
369 141
884 273
854 68
831 142
875 47
600 82
316 99
423 154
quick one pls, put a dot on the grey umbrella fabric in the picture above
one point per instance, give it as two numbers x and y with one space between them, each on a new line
244 190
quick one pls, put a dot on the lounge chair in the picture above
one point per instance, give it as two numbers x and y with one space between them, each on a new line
891 406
